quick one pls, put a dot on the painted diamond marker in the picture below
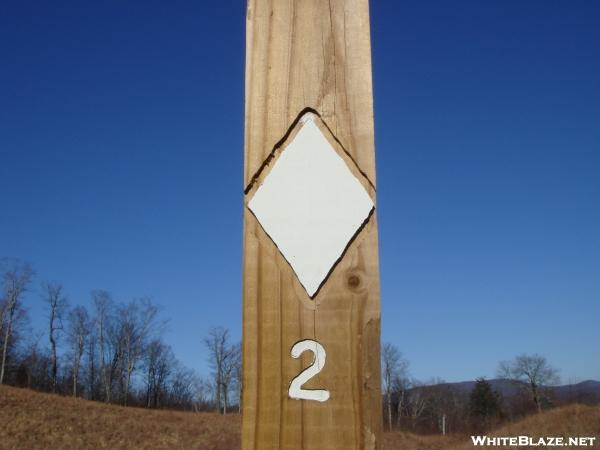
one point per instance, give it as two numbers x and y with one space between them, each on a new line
311 205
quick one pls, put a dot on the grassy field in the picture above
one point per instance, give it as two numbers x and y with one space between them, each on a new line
572 420
32 420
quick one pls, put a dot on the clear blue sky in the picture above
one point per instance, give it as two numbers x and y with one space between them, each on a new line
121 143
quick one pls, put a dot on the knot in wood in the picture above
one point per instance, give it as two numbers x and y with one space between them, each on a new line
354 281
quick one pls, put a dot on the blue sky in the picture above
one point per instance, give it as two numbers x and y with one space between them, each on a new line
121 152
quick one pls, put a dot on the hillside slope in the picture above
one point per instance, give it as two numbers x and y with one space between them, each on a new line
32 420
567 421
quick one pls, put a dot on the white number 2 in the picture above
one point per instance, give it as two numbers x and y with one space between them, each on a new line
317 365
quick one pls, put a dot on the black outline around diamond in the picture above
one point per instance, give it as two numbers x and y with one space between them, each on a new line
266 163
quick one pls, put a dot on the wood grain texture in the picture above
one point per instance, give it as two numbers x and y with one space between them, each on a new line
310 54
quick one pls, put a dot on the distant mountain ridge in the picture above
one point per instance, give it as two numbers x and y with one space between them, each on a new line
508 388
589 389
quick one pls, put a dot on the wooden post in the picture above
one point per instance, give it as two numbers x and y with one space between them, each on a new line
311 270
444 424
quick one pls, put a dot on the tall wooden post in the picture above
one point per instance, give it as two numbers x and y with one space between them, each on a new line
311 275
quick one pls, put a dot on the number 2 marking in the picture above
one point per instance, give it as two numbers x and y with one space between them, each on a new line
296 391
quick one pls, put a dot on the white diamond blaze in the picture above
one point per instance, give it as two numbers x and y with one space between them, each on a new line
311 205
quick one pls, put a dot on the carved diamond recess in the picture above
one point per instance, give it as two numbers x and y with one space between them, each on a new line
311 205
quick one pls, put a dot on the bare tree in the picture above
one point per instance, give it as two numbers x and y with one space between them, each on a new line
57 304
32 370
78 332
183 387
231 364
159 362
4 307
3 310
136 321
439 397
115 368
221 359
417 401
239 378
103 305
401 385
203 394
533 371
15 282
92 375
393 367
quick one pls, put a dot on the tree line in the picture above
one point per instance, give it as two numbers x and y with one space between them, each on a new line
113 352
438 407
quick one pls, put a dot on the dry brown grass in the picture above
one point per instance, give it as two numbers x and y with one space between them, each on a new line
568 421
410 441
32 420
